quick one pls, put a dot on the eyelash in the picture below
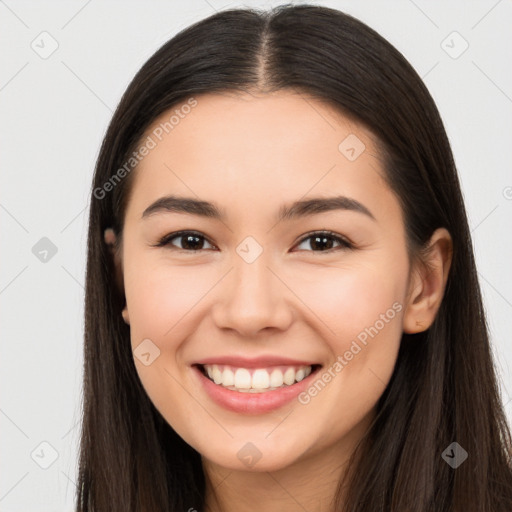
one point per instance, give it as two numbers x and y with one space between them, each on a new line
166 240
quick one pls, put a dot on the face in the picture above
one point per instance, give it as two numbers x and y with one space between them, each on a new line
302 314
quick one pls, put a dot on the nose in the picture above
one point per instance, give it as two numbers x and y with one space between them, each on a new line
253 298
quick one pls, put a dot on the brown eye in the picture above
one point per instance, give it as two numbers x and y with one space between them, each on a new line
190 241
325 241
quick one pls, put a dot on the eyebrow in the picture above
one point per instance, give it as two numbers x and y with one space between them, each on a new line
298 209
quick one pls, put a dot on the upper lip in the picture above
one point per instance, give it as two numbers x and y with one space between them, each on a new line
256 362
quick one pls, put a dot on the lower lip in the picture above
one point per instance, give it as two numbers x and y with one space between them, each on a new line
252 403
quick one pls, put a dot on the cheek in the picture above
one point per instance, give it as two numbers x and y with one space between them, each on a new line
161 302
161 297
361 324
349 300
363 313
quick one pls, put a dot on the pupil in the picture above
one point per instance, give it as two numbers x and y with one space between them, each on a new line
190 245
323 240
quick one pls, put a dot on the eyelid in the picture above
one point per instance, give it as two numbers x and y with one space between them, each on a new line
345 243
165 240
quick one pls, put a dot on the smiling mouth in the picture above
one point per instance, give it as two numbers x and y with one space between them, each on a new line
256 380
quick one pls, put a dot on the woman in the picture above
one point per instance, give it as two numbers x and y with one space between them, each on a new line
282 305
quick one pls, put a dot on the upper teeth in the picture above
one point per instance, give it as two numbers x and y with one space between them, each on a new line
254 380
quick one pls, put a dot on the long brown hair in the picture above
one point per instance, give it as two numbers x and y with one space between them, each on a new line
444 386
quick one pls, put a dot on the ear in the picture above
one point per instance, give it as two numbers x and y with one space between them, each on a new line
428 282
114 249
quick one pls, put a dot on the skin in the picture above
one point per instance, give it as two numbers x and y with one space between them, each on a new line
250 154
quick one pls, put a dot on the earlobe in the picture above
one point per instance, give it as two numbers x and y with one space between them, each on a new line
110 238
112 242
428 282
126 316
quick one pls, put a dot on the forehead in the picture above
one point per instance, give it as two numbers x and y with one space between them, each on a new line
282 120
237 147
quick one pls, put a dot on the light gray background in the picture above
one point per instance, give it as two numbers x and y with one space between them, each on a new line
54 113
